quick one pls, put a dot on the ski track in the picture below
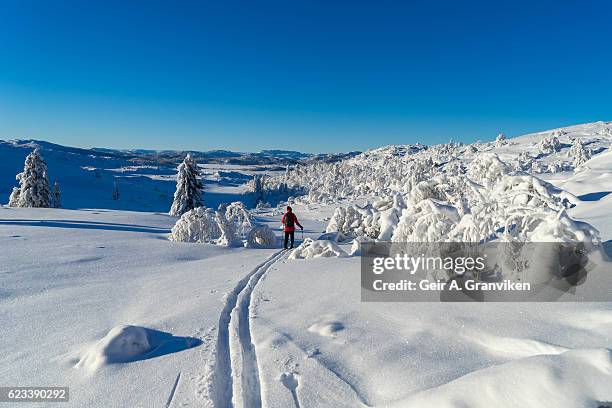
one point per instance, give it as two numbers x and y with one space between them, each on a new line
239 299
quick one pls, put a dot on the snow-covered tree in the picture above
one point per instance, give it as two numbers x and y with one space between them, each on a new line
550 145
188 194
258 187
227 228
578 153
197 225
115 190
500 140
237 214
56 198
33 188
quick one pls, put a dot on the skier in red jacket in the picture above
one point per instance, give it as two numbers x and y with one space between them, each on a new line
289 223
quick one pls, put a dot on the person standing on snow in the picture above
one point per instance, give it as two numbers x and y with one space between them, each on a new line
289 223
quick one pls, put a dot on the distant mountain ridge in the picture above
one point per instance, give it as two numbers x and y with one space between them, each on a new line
263 157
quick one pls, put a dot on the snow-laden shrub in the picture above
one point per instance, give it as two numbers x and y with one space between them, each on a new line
578 153
355 221
237 214
188 194
33 190
487 169
548 226
389 218
428 221
500 140
228 230
197 225
525 162
317 249
261 236
549 145
524 190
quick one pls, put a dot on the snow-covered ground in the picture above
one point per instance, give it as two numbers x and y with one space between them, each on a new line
98 299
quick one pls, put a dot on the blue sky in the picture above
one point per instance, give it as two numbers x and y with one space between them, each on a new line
315 76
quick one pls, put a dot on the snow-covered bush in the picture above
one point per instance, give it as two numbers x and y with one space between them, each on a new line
188 194
546 225
317 249
237 214
228 230
500 140
197 225
428 221
578 153
549 145
33 190
261 236
355 221
526 191
487 169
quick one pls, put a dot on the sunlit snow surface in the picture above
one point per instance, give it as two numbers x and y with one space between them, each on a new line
281 332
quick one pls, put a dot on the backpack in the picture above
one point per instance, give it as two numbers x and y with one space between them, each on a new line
289 220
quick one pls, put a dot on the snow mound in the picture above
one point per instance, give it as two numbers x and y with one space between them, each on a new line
327 328
357 243
576 378
335 236
122 344
197 225
261 236
317 249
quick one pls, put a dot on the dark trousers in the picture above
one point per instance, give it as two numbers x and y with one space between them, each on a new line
287 235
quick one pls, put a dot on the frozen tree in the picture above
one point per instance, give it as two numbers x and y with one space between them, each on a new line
500 140
33 188
197 225
578 153
115 190
487 169
188 194
258 187
227 228
56 199
237 214
550 145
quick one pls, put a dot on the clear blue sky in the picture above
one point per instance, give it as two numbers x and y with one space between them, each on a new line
315 76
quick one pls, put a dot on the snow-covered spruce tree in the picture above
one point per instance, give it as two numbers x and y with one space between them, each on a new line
258 187
188 194
56 198
578 153
33 188
115 191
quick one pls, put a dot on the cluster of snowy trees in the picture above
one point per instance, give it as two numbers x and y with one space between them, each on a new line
34 189
445 192
230 225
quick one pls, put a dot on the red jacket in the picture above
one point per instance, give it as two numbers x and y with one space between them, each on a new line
295 222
